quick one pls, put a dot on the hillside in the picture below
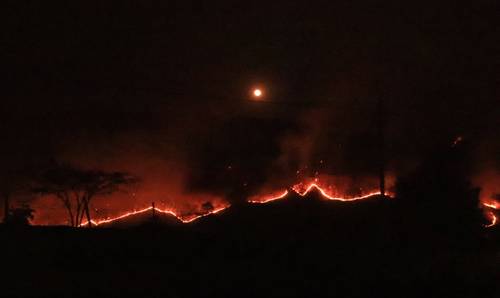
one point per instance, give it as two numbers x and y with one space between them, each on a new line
294 247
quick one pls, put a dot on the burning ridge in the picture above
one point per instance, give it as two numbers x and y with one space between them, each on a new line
299 189
304 191
253 200
182 219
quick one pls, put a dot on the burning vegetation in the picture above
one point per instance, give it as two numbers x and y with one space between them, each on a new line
300 189
152 209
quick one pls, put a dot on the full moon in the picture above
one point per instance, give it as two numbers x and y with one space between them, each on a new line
257 93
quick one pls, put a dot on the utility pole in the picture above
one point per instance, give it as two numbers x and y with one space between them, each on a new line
153 209
381 144
6 208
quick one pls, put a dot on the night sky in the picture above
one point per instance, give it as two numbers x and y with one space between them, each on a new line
164 91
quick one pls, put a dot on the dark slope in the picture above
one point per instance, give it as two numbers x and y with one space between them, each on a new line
312 213
295 247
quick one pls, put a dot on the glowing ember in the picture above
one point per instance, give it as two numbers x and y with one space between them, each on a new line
458 140
169 212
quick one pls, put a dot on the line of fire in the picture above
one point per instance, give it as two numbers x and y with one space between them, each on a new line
76 189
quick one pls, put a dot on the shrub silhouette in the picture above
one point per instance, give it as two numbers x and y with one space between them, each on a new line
20 216
438 192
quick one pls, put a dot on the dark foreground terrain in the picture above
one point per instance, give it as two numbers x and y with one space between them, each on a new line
290 248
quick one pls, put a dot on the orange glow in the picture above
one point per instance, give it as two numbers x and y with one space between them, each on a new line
267 199
493 205
300 190
297 189
253 200
257 92
195 217
493 220
182 219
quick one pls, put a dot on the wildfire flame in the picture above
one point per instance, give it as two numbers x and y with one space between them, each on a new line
169 212
267 199
298 188
254 200
493 220
492 205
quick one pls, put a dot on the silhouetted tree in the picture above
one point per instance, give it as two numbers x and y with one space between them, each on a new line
77 187
207 207
19 161
20 216
6 190
13 181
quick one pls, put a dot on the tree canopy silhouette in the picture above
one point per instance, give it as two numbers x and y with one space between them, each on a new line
76 188
15 179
